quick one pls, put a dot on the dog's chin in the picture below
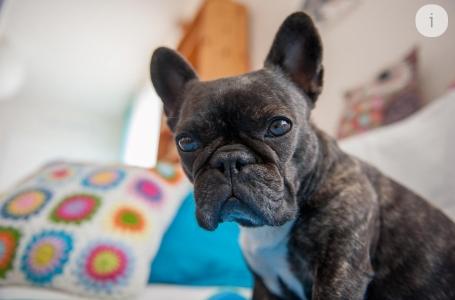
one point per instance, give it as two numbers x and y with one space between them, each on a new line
235 210
231 210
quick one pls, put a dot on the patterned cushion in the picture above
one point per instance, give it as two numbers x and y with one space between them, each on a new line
87 229
390 97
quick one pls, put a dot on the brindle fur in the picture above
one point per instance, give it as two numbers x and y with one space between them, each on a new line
357 234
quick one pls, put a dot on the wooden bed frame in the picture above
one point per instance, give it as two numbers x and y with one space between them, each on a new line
215 42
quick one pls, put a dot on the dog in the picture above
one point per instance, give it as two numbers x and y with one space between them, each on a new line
316 223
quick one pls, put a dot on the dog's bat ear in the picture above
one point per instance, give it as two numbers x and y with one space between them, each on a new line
297 51
170 72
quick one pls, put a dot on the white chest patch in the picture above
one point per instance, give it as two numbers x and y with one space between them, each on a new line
265 249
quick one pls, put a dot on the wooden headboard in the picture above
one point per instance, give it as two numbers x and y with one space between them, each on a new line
215 42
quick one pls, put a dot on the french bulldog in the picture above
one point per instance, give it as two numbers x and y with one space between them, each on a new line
316 223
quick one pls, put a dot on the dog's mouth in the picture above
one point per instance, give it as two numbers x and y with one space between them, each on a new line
235 210
253 196
232 209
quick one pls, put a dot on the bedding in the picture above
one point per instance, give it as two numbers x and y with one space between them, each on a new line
158 292
86 229
409 151
418 151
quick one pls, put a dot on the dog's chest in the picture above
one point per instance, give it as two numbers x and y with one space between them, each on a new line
266 251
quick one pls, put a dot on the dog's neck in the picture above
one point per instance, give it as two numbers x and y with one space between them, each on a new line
328 152
266 236
266 247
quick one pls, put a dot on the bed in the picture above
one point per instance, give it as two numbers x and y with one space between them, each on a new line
417 152
158 291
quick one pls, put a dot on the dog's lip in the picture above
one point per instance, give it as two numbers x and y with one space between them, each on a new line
234 209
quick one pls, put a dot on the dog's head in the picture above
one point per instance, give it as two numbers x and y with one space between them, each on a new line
246 142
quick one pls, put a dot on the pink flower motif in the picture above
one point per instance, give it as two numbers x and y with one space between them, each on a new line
148 190
75 208
104 266
106 263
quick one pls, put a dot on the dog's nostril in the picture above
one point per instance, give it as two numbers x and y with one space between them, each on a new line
239 165
220 167
231 162
229 165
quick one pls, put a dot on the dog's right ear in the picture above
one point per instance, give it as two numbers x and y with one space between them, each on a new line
170 73
297 51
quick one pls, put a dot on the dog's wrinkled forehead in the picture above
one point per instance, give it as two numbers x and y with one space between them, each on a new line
245 101
291 78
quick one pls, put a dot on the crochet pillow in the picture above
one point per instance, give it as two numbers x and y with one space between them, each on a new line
86 229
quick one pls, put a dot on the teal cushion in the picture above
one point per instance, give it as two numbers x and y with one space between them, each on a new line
189 255
226 296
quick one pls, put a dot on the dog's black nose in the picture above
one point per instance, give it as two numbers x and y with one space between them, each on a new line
231 159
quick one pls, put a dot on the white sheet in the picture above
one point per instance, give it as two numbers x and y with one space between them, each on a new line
152 292
418 152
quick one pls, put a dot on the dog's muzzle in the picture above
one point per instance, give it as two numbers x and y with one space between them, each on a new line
231 159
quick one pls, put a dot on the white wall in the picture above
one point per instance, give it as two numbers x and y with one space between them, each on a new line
84 61
372 36
31 137
89 54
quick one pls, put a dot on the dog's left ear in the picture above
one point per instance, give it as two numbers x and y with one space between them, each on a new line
170 73
297 51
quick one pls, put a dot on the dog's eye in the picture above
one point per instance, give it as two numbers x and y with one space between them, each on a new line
279 126
187 143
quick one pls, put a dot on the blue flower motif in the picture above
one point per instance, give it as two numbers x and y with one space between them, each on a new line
104 266
25 203
46 255
104 179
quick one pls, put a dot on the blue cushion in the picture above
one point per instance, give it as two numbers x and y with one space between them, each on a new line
189 255
227 296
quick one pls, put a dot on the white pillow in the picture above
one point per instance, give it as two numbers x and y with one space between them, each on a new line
87 229
418 151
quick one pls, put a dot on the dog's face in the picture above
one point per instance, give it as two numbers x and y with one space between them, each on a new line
246 142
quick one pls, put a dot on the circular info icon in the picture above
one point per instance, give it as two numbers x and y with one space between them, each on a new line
432 20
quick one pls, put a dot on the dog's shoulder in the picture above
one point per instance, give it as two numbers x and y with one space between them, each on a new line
346 183
413 241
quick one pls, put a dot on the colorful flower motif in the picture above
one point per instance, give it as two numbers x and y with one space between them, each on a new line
25 203
104 265
148 190
171 173
130 219
46 255
9 240
104 179
58 174
75 208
